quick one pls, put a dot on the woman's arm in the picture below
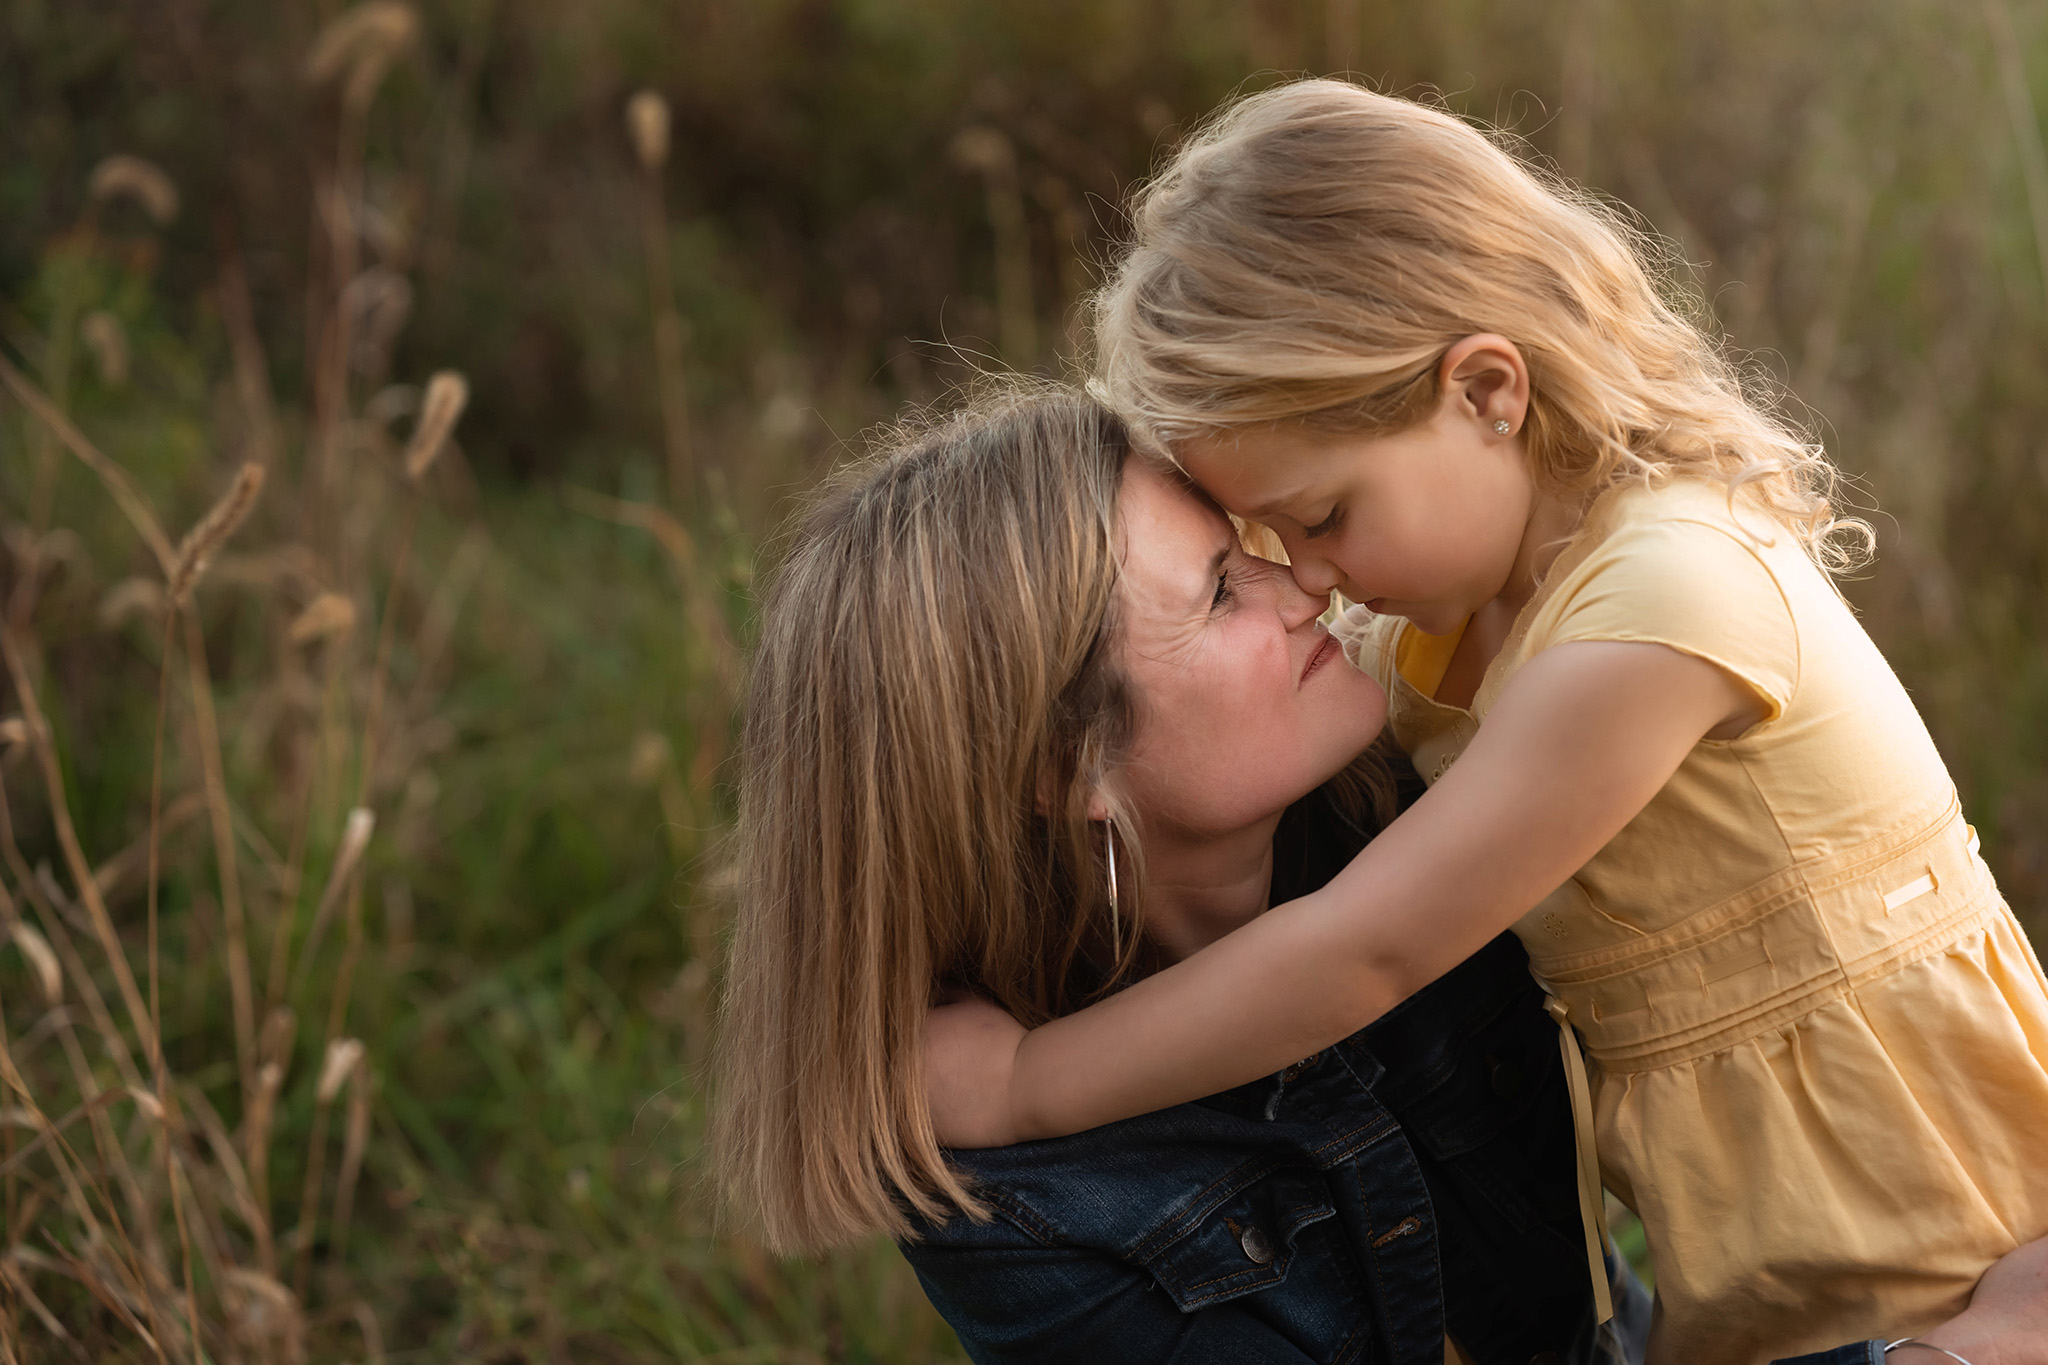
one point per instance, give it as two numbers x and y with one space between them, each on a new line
1580 741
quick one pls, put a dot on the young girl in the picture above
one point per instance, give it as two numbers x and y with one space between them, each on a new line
1595 581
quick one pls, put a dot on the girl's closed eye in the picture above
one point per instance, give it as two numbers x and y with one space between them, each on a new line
1326 525
1223 593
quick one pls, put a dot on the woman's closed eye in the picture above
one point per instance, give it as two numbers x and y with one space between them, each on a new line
1326 525
1223 593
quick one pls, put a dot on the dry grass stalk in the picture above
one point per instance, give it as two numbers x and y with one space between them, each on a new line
130 177
101 1018
327 616
447 395
37 950
342 1057
113 873
87 889
355 1141
355 837
373 1336
228 863
204 540
252 370
256 1124
21 1286
115 478
706 619
988 153
362 43
103 333
647 125
647 122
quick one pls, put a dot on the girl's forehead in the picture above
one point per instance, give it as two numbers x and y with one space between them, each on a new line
1255 473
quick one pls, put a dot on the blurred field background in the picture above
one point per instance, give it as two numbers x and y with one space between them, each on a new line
433 737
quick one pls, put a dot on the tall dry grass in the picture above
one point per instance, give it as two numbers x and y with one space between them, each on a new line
130 1186
399 822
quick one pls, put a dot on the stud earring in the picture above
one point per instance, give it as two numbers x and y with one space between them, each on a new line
1503 426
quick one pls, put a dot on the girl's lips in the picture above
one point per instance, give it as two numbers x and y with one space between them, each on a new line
1323 650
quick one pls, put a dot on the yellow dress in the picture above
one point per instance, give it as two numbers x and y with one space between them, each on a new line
1817 1038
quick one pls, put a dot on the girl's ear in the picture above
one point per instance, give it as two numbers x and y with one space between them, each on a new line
1098 804
1485 377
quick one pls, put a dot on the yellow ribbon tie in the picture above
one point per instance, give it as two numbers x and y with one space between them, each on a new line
1591 1212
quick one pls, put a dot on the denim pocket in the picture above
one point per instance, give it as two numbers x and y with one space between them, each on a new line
1234 1241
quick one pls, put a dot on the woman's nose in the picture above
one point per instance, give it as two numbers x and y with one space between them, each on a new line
1299 608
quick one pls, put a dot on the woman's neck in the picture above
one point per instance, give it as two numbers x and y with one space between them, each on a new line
1199 887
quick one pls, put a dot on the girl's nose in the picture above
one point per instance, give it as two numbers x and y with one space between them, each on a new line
1313 574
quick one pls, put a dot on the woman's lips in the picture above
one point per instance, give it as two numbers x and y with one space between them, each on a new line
1323 650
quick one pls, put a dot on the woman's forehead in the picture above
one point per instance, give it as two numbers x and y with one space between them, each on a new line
1157 502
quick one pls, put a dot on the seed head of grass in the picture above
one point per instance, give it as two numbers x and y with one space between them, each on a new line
983 149
204 540
130 597
103 332
262 1312
647 126
48 974
130 177
343 1056
360 44
330 614
447 396
651 757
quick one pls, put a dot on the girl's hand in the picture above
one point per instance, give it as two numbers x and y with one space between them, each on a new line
2007 1320
970 1054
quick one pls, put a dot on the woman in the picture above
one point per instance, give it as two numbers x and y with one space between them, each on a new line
1026 720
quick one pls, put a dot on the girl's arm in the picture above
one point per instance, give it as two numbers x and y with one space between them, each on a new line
1580 740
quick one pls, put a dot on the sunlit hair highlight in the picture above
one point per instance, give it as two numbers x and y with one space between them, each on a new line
1311 253
931 704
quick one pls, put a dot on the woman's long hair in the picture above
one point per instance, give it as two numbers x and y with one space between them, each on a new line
1311 253
931 705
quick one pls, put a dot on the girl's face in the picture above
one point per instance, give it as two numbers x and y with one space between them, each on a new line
1245 703
1426 523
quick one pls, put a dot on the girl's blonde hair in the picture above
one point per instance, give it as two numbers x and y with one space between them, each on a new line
1311 254
931 704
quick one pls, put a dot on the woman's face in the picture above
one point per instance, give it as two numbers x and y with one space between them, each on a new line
1245 703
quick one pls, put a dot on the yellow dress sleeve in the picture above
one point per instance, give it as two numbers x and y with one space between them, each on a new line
1702 585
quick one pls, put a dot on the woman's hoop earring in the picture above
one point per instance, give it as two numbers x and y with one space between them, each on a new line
1503 426
1116 932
